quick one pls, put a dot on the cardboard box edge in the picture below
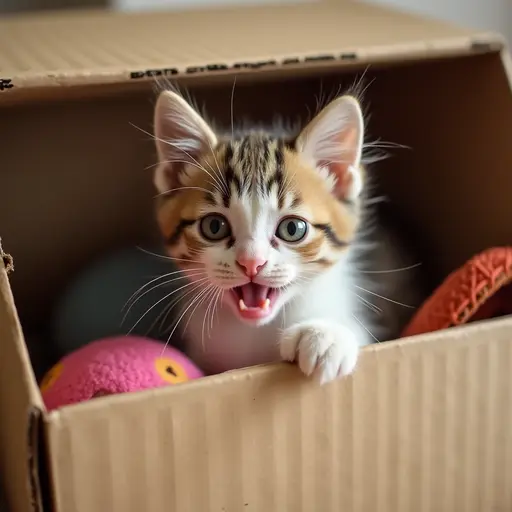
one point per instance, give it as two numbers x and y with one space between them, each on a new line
476 43
8 300
35 408
286 372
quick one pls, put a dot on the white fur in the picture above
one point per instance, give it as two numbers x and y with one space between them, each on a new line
316 327
324 349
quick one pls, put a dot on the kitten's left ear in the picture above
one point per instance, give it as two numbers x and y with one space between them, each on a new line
333 141
182 136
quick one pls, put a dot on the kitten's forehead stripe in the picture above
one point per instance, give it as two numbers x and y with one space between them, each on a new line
253 164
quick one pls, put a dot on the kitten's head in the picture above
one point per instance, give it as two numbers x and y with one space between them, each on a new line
258 216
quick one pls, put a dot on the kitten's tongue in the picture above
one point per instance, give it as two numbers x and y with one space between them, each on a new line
254 295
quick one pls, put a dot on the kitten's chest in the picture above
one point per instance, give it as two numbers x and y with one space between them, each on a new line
226 343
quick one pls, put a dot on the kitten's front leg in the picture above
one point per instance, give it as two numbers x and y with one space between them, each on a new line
324 349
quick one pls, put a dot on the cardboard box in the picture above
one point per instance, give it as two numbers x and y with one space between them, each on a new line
423 425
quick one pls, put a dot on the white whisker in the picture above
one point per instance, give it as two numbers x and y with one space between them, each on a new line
163 276
402 269
217 164
382 144
170 258
158 286
232 108
182 188
218 172
366 329
176 301
369 304
192 302
205 319
197 290
384 298
177 146
203 294
161 300
215 302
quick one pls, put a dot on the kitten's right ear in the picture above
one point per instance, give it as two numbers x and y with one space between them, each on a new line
333 142
181 136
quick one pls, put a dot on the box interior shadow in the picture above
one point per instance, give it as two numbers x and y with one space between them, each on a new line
86 187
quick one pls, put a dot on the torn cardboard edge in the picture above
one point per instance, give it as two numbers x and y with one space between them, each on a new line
15 330
31 407
485 42
7 260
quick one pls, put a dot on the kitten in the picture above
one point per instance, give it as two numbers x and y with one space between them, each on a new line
267 229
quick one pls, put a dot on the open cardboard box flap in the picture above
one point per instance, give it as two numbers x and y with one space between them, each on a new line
423 424
77 48
20 403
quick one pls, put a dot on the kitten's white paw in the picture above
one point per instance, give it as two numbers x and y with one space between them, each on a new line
325 350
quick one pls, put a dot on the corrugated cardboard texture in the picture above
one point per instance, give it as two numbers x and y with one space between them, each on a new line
77 48
423 425
18 399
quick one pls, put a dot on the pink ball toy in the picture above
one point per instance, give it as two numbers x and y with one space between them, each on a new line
115 365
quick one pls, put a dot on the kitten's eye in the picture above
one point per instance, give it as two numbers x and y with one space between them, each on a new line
292 229
214 227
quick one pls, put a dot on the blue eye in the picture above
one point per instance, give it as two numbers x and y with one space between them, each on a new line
292 229
214 227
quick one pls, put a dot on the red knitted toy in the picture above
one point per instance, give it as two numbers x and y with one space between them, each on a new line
479 289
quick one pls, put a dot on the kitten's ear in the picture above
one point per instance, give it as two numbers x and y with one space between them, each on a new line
333 141
181 136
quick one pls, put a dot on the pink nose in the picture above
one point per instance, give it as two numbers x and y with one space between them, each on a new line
251 266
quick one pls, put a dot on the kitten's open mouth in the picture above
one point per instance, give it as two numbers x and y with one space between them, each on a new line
254 300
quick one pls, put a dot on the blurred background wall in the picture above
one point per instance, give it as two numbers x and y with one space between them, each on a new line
487 14
493 15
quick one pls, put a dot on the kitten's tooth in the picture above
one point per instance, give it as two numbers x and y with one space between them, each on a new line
241 305
266 304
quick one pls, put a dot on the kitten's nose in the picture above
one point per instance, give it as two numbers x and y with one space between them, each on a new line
251 265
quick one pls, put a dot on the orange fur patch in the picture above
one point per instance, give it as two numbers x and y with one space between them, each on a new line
186 205
309 252
324 207
324 263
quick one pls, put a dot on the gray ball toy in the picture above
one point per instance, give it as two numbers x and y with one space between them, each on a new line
100 301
